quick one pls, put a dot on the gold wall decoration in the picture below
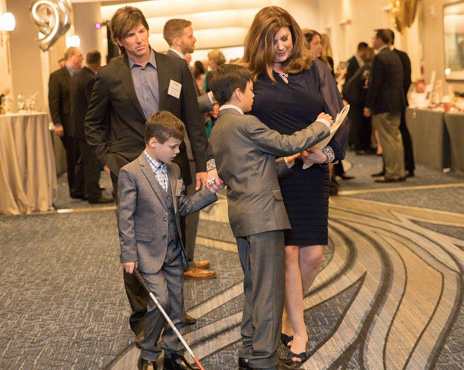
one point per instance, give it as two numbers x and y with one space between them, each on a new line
403 13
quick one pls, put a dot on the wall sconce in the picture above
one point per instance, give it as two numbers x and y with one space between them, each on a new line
73 40
7 24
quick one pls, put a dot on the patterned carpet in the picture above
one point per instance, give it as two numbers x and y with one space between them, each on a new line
389 295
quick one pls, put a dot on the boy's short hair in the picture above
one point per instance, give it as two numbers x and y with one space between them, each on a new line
162 126
226 79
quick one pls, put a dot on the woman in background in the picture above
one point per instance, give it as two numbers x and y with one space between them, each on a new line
291 88
320 47
215 59
199 75
315 42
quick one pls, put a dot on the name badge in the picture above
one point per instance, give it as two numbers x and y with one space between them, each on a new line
179 188
174 89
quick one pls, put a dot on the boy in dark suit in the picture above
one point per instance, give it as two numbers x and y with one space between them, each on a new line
244 150
151 199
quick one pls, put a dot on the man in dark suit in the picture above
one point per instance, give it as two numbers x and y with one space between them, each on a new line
81 89
131 88
407 142
178 33
385 101
356 61
60 108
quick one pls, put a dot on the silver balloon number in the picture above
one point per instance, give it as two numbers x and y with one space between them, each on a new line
52 18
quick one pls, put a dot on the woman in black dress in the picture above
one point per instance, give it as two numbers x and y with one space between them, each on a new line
291 88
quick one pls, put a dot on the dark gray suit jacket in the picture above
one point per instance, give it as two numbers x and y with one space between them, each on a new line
351 69
406 62
59 100
245 149
385 92
114 93
81 90
203 100
143 213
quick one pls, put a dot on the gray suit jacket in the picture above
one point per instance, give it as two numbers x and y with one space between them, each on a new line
143 213
245 149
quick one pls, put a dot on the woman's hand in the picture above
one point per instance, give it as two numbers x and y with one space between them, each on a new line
313 155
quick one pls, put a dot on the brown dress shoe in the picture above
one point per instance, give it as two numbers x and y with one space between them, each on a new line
198 274
189 320
385 179
201 264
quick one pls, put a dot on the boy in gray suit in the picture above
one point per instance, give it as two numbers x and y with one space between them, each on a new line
151 197
245 150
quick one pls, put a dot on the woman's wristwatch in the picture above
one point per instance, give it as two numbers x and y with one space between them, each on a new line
328 151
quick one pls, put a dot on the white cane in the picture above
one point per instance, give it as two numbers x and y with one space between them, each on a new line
171 324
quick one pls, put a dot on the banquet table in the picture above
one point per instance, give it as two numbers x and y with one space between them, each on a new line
27 164
455 126
429 136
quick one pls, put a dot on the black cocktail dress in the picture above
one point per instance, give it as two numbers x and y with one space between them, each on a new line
289 107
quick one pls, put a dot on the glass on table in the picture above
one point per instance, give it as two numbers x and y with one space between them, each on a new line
21 102
27 103
6 103
31 103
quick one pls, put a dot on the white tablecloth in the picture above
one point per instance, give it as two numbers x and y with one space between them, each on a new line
27 164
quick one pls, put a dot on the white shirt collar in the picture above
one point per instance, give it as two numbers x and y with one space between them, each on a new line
383 47
227 106
178 53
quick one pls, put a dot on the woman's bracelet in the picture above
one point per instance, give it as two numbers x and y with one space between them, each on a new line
210 165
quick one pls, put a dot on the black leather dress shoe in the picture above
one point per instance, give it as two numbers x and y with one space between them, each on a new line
346 177
243 363
143 364
283 364
80 196
189 320
177 362
378 174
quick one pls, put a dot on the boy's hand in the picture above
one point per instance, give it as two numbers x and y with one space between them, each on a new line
291 159
327 117
214 181
129 266
215 184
